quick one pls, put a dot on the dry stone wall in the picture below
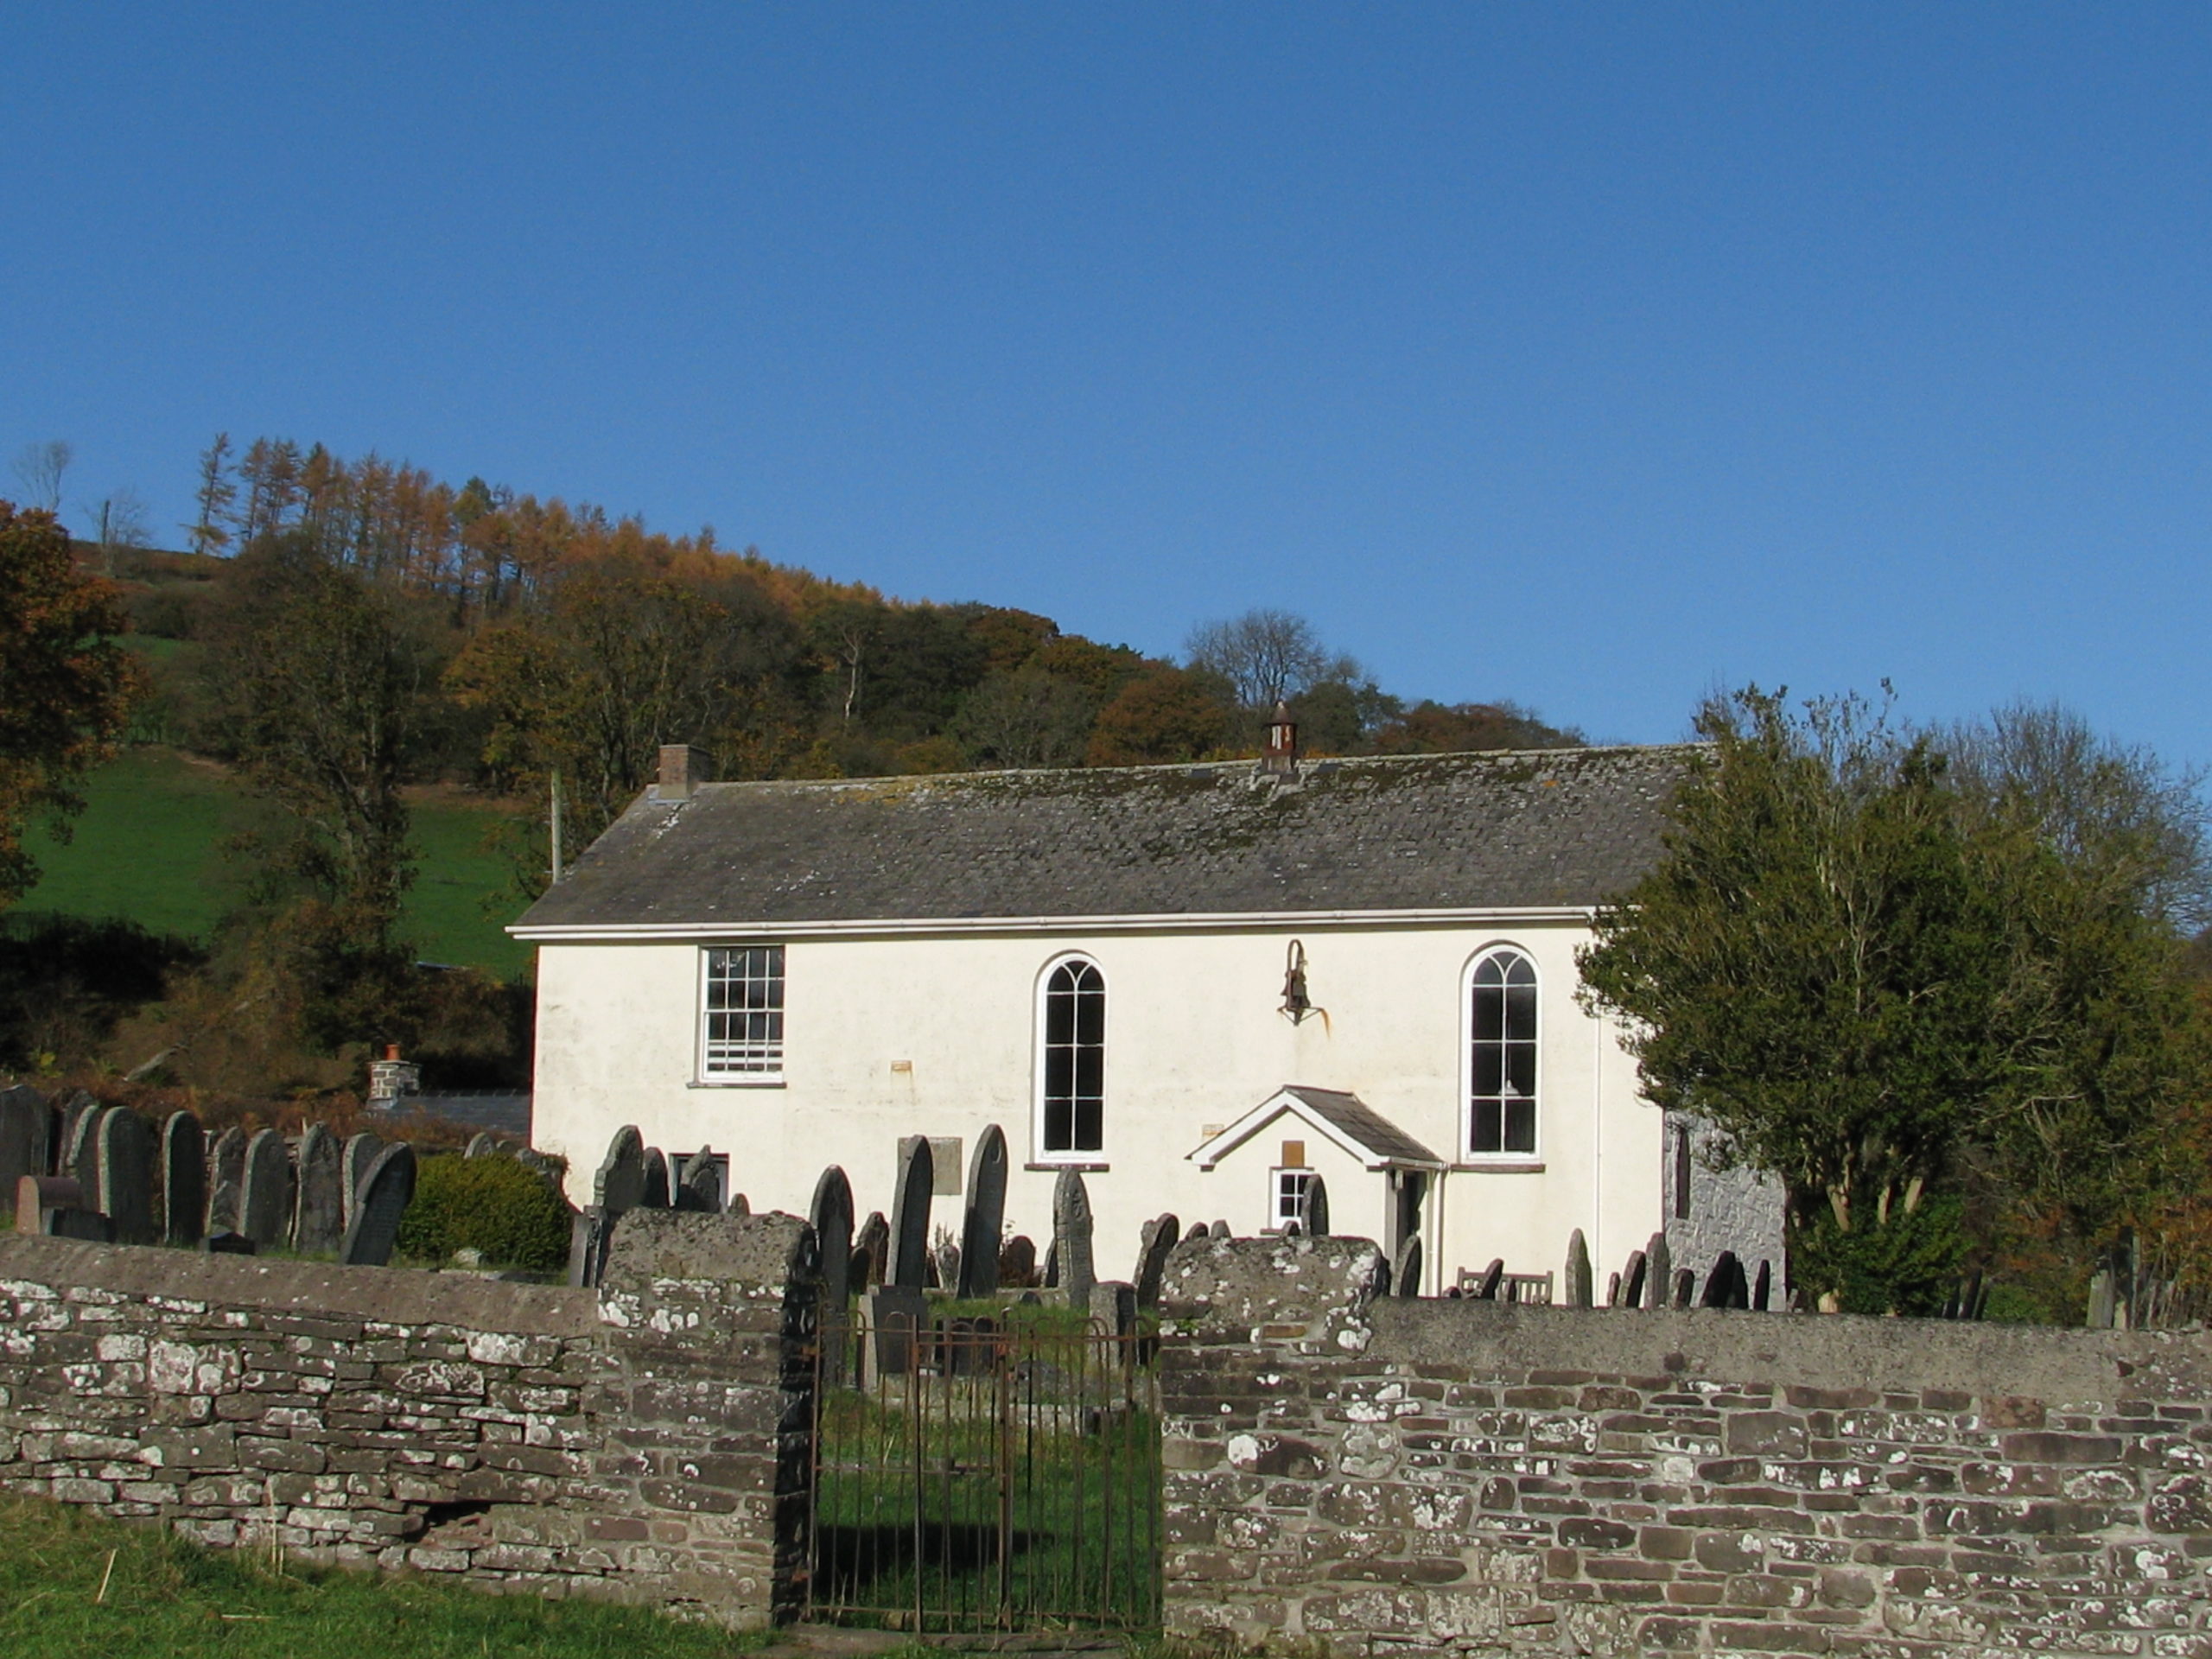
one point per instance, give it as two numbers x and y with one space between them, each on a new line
1372 1476
636 1442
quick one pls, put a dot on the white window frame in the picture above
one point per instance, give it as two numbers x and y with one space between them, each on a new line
1277 1219
763 1066
1466 1131
1040 1153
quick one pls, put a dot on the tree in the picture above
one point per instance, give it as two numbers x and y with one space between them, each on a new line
1168 715
1027 718
119 525
66 686
1865 980
217 489
1267 656
38 468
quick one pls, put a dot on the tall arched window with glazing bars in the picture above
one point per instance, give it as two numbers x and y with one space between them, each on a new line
1502 1054
1072 1070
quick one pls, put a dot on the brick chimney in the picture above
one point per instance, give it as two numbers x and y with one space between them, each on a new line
682 768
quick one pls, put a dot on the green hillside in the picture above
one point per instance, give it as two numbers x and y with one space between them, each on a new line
152 847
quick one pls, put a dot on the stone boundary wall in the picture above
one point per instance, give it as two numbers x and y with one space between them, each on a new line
644 1442
1372 1476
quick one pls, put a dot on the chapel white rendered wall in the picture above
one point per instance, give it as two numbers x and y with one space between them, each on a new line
891 1036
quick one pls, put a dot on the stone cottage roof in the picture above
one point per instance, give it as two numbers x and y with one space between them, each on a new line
1512 829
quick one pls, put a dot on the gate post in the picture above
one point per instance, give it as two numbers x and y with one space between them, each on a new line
713 1320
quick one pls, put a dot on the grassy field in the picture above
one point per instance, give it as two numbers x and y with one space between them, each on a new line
76 1583
151 847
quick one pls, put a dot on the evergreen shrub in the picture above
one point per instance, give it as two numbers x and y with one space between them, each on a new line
494 1205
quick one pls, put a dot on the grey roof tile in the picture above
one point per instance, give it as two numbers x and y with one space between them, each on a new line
1510 830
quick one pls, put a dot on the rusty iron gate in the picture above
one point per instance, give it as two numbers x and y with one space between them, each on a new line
984 1473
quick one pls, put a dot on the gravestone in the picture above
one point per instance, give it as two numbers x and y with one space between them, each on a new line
75 1127
655 1194
319 1228
909 1215
227 1244
481 1145
26 1131
129 1152
83 1159
36 1195
985 1215
1659 1272
1154 1240
738 1205
1050 1276
89 1226
225 1179
897 1319
1612 1290
1219 1230
1685 1282
1199 1230
184 1179
1763 1288
620 1186
830 1214
265 1199
1486 1291
1072 1236
1316 1207
1632 1281
385 1193
873 1240
1405 1268
702 1187
1578 1270
353 1163
584 1248
1018 1261
1113 1307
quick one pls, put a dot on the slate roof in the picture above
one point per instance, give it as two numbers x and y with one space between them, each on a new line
1510 829
1363 1124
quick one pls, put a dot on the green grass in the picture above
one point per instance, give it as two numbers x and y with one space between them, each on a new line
166 1600
151 847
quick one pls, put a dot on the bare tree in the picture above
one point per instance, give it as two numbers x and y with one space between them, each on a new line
39 469
1268 655
119 523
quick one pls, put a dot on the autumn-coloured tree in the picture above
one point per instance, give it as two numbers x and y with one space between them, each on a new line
66 685
210 530
1167 715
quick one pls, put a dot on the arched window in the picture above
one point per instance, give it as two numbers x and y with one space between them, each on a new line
1502 1054
1071 1060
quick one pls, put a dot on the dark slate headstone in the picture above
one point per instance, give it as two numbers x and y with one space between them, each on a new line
620 1186
88 1225
1316 1207
1050 1276
872 1241
1685 1283
701 1189
184 1179
1763 1289
1072 1236
830 1214
228 1244
320 1227
79 1119
1405 1268
909 1215
360 1151
1486 1291
1113 1308
1219 1230
386 1191
37 1195
225 1179
1018 1261
128 1155
985 1215
1612 1290
1579 1286
481 1145
1632 1281
1659 1266
1199 1230
655 1194
1154 1240
25 1124
897 1319
265 1201
84 1155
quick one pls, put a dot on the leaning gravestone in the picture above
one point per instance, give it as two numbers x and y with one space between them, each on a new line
831 1215
1631 1283
909 1215
128 1152
655 1195
385 1193
620 1186
1154 1240
1316 1207
353 1163
1579 1282
1071 1237
25 1124
225 1179
986 1215
320 1227
184 1179
701 1190
265 1201
1659 1272
1405 1268
1486 1289
874 1242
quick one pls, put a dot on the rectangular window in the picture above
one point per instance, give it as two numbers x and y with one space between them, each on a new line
743 1034
1291 1187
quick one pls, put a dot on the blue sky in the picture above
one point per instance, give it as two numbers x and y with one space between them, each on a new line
1589 356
